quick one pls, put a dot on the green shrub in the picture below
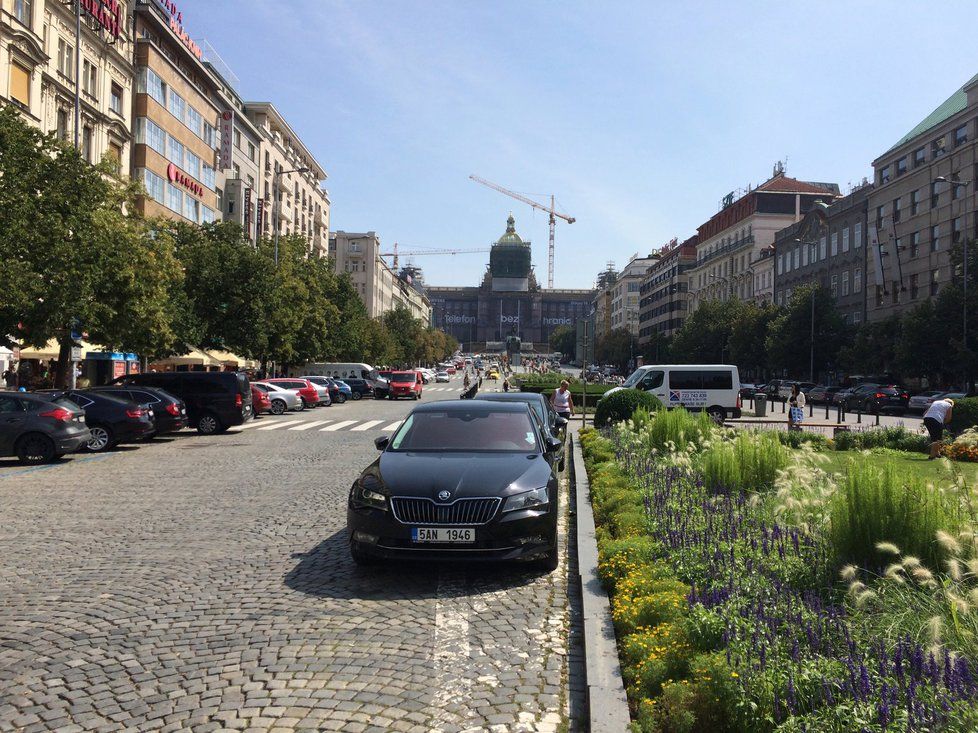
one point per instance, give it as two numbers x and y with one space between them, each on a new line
897 438
676 429
749 462
620 557
797 438
875 505
622 404
964 415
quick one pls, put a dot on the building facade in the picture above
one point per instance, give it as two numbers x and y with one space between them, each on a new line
732 240
918 211
664 291
176 114
508 302
625 294
827 247
289 170
40 63
381 288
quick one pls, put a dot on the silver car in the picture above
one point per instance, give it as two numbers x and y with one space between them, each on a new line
282 399
920 402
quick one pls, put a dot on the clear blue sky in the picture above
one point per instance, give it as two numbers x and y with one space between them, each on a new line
638 116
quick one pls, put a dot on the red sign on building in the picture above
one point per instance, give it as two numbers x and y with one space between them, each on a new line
106 13
178 176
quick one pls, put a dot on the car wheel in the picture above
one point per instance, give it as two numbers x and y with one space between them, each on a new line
101 439
359 556
717 414
301 406
278 407
340 399
356 396
208 424
34 449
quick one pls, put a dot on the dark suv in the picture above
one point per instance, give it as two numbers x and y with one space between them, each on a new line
39 428
215 401
169 411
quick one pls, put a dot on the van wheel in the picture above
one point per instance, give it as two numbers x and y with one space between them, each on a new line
278 407
717 414
34 449
356 396
208 424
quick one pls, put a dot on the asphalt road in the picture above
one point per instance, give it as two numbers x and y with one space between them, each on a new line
204 583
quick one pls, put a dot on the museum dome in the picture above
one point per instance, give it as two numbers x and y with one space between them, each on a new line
511 237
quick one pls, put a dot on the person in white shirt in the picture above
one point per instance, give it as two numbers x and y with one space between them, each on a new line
938 415
796 411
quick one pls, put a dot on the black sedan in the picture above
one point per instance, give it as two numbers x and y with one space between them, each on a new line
111 420
470 480
360 387
887 399
169 411
551 423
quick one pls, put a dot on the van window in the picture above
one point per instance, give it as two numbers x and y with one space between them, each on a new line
717 379
686 379
202 385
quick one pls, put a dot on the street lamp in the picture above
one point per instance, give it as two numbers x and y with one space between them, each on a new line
954 182
278 203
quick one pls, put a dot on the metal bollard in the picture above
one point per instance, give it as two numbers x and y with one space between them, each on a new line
811 410
859 415
826 410
784 403
842 413
877 415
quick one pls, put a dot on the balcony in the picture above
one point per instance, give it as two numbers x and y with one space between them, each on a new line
726 249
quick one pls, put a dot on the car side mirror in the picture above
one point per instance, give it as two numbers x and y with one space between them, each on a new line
382 442
553 444
560 422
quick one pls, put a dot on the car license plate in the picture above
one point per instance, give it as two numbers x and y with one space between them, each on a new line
449 535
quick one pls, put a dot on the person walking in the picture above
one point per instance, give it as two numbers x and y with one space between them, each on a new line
465 382
938 415
562 401
506 385
796 410
10 378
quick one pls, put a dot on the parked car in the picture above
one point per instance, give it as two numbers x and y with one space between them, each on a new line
260 401
451 370
282 399
886 399
854 397
954 395
470 476
821 394
215 401
311 394
748 390
360 388
38 428
442 376
784 389
551 423
110 419
332 388
922 400
169 410
406 384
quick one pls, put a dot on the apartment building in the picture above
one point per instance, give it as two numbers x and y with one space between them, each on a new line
291 170
762 272
664 291
176 114
624 301
40 63
730 242
827 247
380 288
923 204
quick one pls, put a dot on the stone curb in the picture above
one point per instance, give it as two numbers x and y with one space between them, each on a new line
606 700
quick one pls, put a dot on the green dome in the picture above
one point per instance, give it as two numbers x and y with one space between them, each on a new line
510 237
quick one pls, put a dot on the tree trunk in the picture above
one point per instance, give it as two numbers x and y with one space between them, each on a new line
61 377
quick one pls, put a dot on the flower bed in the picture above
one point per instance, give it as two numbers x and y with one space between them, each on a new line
727 604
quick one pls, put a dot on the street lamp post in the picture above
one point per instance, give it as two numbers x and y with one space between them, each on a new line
278 203
954 182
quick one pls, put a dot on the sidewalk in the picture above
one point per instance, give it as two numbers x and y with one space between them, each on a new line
778 420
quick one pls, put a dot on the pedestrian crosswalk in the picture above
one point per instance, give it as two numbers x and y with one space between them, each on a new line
300 424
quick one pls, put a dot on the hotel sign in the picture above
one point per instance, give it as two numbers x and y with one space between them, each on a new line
176 25
227 138
106 13
178 176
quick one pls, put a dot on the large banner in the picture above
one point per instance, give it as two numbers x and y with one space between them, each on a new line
259 216
247 213
227 138
877 254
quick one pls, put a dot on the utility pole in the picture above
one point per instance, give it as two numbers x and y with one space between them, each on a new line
585 342
811 354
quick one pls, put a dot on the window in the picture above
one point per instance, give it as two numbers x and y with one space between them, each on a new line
174 198
914 202
155 185
933 195
780 266
935 278
957 191
90 78
804 256
956 225
154 86
206 214
896 210
210 135
880 213
919 157
845 283
857 280
66 58
857 317
62 124
794 258
835 285
915 244
87 150
251 151
192 165
821 248
151 134
914 286
24 11
857 235
845 239
194 121
901 166
237 139
115 152
177 106
207 177
115 98
20 84
175 150
935 237
961 135
191 208
885 174
834 247
937 148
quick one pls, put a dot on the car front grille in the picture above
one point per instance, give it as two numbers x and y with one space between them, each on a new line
410 510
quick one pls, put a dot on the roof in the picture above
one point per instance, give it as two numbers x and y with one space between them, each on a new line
471 405
782 184
269 109
513 397
950 107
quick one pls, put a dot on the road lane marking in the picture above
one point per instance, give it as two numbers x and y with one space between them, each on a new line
339 425
310 424
367 425
277 425
392 427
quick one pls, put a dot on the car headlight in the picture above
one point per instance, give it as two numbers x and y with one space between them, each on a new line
366 492
535 499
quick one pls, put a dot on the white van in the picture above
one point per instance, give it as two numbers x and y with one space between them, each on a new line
339 371
711 387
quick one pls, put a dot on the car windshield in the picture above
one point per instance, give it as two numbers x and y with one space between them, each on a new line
470 430
404 377
635 378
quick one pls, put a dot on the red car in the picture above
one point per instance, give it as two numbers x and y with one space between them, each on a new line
307 390
260 401
406 384
451 370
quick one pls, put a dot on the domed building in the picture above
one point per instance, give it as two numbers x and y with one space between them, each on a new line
508 302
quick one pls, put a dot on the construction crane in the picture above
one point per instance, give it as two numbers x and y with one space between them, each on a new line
428 251
551 211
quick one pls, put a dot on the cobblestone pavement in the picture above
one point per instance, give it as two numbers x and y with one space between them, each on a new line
204 583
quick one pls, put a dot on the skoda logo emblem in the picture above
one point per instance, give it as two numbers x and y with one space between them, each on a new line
444 495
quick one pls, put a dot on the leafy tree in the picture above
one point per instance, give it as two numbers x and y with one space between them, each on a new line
564 340
789 336
705 334
405 331
657 350
748 337
873 348
617 347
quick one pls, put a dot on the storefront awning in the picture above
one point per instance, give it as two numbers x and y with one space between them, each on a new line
52 349
229 359
193 357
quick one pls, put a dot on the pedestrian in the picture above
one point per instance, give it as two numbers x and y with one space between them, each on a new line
10 377
466 382
796 411
506 385
938 415
562 402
